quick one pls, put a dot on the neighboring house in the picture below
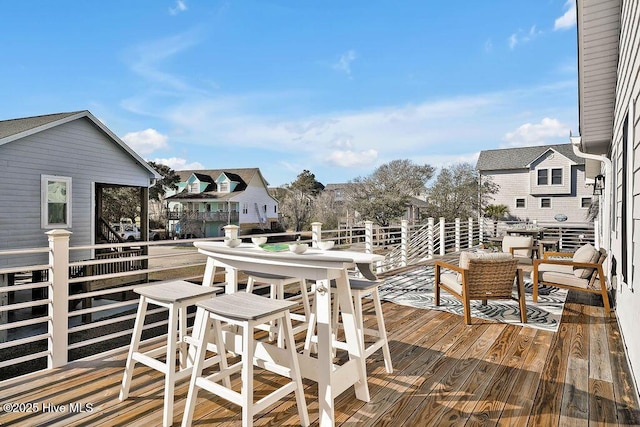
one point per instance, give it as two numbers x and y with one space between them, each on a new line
207 200
53 169
608 93
538 183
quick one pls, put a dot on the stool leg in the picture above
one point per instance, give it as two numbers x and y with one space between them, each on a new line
182 329
248 350
135 343
250 284
311 328
201 351
169 381
295 370
382 330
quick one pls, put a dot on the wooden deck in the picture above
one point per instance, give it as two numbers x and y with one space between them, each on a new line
446 373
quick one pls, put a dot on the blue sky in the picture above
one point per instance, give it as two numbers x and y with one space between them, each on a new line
335 87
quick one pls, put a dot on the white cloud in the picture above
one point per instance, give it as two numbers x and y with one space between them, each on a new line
344 63
348 158
545 132
178 164
181 6
146 141
568 20
521 37
146 60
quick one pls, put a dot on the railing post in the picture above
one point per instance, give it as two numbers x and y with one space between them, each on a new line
58 297
457 235
430 245
231 231
230 274
443 237
470 244
404 242
596 234
316 233
368 237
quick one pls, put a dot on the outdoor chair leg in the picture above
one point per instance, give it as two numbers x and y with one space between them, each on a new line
521 298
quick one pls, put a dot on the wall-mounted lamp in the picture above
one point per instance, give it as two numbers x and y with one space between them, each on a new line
598 185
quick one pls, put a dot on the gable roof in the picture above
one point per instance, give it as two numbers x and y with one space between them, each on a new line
14 129
521 157
243 176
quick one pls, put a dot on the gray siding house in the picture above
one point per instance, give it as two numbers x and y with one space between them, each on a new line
52 172
538 183
608 94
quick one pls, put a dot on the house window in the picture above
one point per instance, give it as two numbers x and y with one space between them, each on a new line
55 201
224 187
543 176
556 176
585 202
521 203
545 203
194 187
245 208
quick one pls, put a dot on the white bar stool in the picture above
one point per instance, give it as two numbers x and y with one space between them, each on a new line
277 285
246 311
176 296
360 288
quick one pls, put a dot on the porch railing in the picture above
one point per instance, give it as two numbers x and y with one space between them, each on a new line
58 311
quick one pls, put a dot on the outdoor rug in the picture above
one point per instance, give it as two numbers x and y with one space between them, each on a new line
415 288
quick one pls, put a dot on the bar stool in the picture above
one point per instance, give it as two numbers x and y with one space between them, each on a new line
360 288
277 285
176 296
246 311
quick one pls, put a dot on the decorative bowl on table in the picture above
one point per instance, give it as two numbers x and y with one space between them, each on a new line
259 240
298 248
326 245
232 243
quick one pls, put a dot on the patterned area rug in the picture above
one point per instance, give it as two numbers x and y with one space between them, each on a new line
415 288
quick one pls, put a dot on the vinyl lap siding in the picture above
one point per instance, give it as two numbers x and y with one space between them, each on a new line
76 149
627 94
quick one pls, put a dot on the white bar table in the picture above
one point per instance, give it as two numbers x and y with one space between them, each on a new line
321 266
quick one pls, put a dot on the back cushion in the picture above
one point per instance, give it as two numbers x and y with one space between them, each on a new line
509 242
585 253
466 256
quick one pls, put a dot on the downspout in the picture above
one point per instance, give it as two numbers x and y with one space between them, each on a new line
607 194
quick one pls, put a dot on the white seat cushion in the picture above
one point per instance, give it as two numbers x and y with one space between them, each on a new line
562 278
450 280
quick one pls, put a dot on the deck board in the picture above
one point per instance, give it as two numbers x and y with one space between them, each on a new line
445 373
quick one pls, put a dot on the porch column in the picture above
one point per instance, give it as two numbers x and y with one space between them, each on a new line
316 233
443 237
368 237
470 244
58 297
404 242
430 246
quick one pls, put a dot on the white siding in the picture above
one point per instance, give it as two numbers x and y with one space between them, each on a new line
256 193
627 94
516 183
76 149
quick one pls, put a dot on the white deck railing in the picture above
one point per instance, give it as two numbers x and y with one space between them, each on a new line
60 311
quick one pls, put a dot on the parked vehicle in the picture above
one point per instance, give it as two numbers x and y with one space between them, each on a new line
131 232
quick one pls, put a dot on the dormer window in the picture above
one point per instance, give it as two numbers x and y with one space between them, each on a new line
224 187
543 177
194 187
